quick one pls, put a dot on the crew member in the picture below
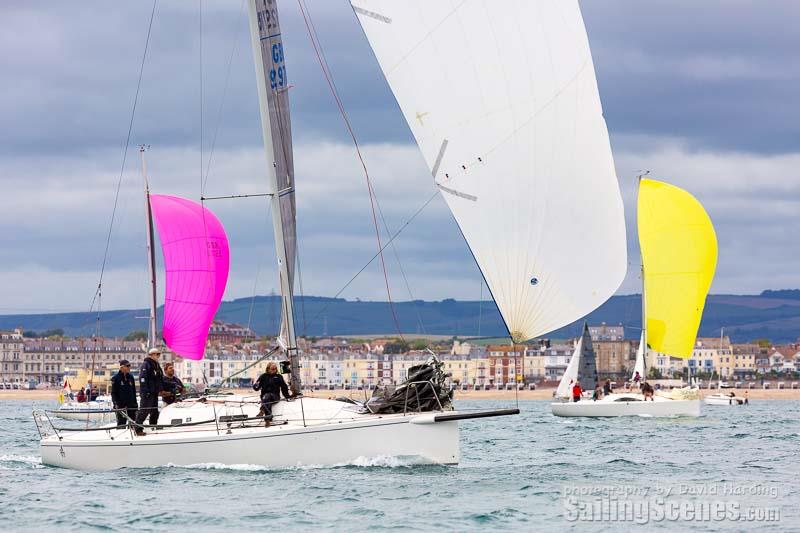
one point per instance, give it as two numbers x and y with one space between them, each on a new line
647 391
598 393
577 391
271 385
123 393
81 396
607 388
150 382
172 385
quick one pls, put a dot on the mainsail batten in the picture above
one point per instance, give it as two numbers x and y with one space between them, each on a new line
504 106
196 262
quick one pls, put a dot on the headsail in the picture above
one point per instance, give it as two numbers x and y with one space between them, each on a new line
196 260
638 366
582 367
273 85
564 389
679 256
503 103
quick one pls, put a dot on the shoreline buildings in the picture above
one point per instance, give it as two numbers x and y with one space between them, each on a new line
234 358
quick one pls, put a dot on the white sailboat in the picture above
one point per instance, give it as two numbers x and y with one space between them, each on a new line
582 367
564 389
679 254
225 428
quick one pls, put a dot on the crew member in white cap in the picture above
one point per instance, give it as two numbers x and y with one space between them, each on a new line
150 382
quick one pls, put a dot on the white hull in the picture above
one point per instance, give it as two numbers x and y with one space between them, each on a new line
333 435
723 399
84 415
628 405
97 411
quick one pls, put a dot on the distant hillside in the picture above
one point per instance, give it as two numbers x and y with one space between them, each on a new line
790 294
772 314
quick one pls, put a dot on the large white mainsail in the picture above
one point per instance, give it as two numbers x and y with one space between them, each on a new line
503 102
273 84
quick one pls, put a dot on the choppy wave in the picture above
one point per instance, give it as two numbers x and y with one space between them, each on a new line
381 461
15 462
513 475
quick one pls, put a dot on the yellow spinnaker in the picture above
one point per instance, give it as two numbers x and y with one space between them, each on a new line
679 254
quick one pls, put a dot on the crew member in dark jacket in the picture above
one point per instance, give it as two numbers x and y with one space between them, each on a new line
150 382
172 385
123 393
271 385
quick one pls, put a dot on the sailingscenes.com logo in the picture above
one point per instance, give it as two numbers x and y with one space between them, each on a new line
695 502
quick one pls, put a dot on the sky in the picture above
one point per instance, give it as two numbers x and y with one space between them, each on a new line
704 94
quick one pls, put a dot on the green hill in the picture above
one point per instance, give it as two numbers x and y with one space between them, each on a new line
772 314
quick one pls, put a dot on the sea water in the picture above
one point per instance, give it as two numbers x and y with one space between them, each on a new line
734 468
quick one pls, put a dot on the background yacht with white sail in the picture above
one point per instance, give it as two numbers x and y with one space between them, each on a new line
679 257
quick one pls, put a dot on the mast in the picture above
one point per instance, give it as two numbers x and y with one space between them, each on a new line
644 306
265 36
151 257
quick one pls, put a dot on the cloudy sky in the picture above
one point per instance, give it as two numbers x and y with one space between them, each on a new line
703 93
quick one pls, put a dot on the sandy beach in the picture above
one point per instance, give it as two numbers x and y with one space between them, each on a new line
539 394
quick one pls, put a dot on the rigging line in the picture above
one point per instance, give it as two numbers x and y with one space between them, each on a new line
234 48
255 283
302 294
380 209
124 157
363 268
480 307
328 77
200 21
248 367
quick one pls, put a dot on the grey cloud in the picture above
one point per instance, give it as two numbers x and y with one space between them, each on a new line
704 94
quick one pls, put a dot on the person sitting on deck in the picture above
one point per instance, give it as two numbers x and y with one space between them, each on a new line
172 385
271 385
577 391
598 393
81 396
607 388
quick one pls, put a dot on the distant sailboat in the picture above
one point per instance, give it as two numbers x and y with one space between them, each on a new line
582 367
679 257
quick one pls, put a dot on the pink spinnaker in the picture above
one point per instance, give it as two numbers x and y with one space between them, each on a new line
196 260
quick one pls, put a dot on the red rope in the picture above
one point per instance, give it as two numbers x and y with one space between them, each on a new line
372 199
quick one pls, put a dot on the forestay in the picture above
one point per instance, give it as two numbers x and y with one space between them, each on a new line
503 102
679 257
196 260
